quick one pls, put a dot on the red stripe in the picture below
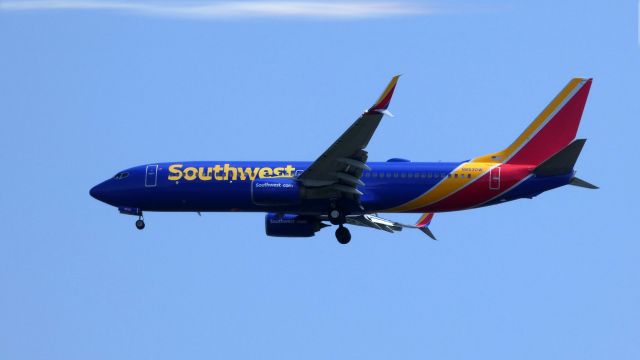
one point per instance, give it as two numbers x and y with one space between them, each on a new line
479 191
425 221
384 103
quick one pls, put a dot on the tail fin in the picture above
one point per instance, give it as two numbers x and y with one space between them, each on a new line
551 131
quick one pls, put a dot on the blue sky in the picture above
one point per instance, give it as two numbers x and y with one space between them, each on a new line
85 93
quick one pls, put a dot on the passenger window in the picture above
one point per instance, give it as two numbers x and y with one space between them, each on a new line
366 174
423 175
455 176
374 174
429 175
395 175
381 174
469 176
410 175
403 175
388 174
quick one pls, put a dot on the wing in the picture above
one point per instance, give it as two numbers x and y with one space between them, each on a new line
379 223
340 167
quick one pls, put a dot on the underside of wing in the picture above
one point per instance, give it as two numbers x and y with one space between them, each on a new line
378 223
374 222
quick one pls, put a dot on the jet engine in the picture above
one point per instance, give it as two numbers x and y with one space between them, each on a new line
288 225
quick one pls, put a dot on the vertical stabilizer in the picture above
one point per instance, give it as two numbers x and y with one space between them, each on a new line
551 131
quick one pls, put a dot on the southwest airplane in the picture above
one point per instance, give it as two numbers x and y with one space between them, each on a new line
342 187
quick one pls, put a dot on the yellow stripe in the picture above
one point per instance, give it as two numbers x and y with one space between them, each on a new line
424 216
446 187
392 83
533 127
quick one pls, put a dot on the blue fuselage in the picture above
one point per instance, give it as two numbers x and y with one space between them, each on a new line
227 186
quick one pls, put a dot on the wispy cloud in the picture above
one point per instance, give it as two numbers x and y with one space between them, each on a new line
233 9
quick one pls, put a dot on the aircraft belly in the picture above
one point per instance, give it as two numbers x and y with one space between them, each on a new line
531 187
202 196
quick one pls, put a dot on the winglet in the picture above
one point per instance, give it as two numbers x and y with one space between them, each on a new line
428 233
423 224
424 220
383 102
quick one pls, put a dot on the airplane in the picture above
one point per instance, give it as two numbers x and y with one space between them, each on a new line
342 187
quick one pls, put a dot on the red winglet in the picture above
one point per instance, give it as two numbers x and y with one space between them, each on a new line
424 220
384 100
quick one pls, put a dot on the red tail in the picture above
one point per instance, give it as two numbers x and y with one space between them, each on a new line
551 131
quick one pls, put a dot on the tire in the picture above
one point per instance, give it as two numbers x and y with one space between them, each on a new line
343 235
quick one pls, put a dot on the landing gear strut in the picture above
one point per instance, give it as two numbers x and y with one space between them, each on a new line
140 223
336 217
343 235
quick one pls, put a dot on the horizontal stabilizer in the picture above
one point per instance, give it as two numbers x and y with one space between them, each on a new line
581 183
562 162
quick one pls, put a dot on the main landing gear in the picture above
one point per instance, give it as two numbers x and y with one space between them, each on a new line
140 223
337 217
343 235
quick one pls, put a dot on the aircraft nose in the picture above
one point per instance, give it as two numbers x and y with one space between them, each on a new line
97 192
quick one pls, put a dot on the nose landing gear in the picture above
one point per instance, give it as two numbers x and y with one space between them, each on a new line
140 223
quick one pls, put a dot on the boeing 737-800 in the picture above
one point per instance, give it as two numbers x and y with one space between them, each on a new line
342 187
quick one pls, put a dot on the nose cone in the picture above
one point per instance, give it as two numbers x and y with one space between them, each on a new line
97 192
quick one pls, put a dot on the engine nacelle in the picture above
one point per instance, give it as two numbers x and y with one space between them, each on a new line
276 191
288 225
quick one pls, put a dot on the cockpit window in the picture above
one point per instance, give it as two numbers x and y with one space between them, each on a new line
121 175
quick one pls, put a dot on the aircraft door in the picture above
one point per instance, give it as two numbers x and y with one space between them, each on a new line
494 179
152 176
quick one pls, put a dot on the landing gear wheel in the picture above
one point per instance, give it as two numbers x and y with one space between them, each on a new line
343 235
336 217
140 224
